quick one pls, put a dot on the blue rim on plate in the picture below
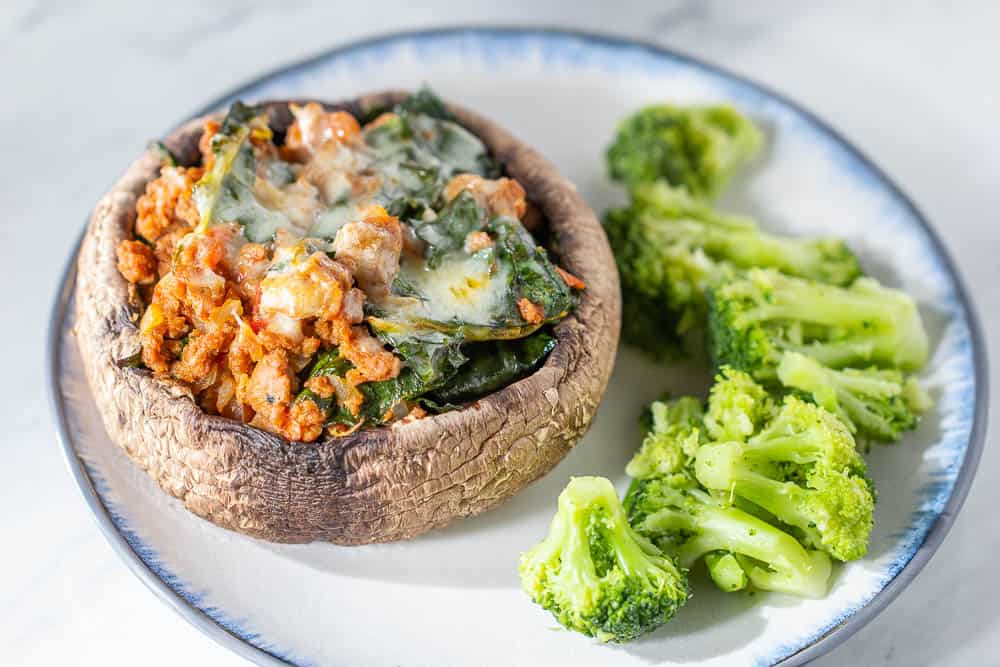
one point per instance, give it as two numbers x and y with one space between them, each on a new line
142 561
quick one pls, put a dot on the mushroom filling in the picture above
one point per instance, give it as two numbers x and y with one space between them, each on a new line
354 275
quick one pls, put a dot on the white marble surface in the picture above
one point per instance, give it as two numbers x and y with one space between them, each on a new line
84 88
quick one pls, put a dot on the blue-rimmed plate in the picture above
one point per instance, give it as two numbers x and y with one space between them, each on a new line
452 597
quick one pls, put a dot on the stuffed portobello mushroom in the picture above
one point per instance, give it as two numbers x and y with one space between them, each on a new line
349 322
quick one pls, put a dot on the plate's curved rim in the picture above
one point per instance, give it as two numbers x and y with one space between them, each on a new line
837 635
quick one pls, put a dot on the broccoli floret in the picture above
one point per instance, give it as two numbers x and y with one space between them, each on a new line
737 406
595 574
666 278
673 434
669 247
874 403
689 522
695 147
804 469
755 318
674 217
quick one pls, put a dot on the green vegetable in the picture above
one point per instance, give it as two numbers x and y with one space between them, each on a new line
726 572
666 504
803 468
688 522
874 403
226 192
445 234
429 364
531 274
472 297
694 147
131 361
674 431
754 319
424 101
653 328
493 365
737 406
419 151
595 574
669 247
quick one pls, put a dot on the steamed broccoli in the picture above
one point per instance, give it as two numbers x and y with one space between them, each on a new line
595 574
755 318
873 403
689 522
670 246
673 435
803 468
669 216
695 147
737 406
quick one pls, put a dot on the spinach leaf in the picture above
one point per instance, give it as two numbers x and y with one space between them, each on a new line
329 362
531 274
418 151
424 101
429 363
471 297
450 139
494 365
458 150
446 233
226 192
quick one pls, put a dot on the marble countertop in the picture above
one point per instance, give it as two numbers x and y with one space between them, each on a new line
84 88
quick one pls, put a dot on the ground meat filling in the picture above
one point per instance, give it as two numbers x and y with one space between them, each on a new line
236 322
239 323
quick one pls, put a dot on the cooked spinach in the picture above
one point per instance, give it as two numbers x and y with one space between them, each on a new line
131 361
226 192
418 151
428 363
493 365
471 297
532 276
446 233
424 101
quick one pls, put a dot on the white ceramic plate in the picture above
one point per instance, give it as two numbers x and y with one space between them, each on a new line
452 597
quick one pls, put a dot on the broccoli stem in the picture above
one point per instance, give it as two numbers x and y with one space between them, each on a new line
578 576
789 567
872 402
726 571
863 323
816 303
723 466
808 258
812 581
721 528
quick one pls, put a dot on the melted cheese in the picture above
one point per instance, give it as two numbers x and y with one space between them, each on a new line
460 289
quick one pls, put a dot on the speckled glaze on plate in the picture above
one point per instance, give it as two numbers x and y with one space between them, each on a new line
452 597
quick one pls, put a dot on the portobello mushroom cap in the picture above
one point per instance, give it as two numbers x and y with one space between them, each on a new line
377 484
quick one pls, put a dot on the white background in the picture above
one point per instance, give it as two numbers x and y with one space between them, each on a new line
82 89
